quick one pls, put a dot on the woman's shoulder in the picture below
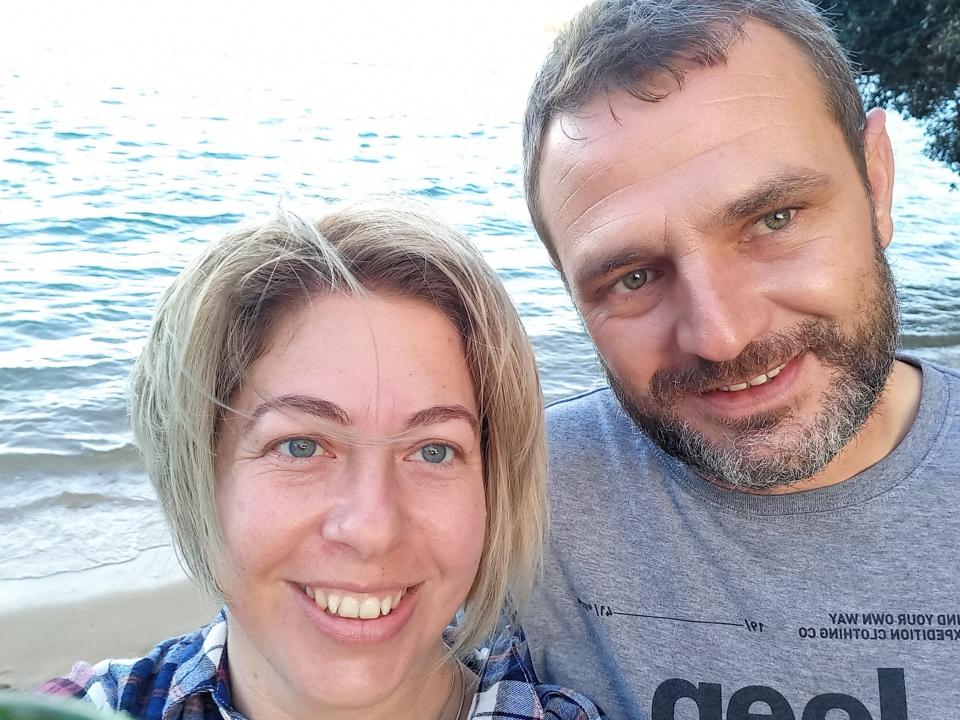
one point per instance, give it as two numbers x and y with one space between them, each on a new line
508 683
178 671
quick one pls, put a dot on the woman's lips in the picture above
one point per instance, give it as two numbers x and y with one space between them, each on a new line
356 629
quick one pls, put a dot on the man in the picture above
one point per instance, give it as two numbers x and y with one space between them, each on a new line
757 519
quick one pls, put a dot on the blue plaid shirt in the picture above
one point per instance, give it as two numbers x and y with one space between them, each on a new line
186 678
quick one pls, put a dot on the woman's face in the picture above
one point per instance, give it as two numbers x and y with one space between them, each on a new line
350 491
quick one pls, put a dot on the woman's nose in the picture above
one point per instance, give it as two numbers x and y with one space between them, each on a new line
366 516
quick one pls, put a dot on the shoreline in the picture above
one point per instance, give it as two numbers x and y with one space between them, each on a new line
110 611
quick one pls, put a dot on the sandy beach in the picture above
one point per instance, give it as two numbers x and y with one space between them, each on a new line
112 611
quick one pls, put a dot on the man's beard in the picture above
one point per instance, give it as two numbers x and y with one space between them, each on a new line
774 448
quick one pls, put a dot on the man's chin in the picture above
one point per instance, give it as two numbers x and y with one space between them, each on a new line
754 453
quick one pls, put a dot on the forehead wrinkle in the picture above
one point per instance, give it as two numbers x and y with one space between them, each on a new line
743 136
725 72
623 160
597 228
583 213
632 184
601 168
664 106
743 97
583 142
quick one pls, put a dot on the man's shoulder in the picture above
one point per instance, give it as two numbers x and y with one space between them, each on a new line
581 401
941 387
594 417
585 408
951 375
590 435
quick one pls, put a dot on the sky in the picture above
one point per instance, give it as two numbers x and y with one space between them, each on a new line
169 34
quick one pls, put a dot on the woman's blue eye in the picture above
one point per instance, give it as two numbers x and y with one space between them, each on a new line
299 447
436 453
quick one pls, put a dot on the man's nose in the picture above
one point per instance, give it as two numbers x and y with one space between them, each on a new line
366 517
719 307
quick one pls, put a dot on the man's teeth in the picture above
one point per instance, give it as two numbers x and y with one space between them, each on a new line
348 605
753 382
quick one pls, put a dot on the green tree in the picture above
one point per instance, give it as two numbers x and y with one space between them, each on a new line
909 54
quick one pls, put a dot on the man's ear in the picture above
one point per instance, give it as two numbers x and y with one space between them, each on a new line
878 154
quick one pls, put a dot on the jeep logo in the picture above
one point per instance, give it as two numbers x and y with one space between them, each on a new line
708 699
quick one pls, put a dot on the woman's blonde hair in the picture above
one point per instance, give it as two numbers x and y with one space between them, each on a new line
220 314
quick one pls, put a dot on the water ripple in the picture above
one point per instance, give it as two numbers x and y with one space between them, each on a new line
113 181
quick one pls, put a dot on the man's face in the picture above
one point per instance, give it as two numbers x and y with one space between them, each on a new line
728 262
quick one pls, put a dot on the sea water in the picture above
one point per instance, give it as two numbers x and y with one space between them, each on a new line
114 173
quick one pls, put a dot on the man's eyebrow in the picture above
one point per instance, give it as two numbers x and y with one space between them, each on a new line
767 194
306 404
603 265
443 413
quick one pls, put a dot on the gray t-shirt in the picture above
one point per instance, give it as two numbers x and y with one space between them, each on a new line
667 598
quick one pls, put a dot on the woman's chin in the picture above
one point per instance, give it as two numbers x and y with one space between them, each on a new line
368 682
328 662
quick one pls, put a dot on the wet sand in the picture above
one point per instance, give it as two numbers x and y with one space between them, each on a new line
117 611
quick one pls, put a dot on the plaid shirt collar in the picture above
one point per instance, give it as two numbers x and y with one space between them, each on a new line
202 671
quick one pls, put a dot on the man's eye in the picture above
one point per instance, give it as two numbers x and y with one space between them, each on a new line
776 220
299 448
435 453
633 280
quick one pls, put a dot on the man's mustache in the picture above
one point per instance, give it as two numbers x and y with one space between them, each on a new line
758 356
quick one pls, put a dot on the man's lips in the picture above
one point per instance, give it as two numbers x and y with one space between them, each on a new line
766 391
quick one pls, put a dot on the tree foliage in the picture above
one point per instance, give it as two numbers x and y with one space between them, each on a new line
909 54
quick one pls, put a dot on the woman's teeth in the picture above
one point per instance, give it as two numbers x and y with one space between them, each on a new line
753 382
351 605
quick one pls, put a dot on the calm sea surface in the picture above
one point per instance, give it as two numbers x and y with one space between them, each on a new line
113 174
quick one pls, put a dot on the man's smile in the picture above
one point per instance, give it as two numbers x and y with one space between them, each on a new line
760 379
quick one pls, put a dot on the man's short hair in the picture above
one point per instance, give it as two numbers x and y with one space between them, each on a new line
219 316
614 45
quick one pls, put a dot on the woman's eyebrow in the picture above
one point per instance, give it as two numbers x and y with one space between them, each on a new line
308 404
443 413
769 192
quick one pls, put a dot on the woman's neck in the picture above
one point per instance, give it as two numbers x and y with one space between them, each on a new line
443 692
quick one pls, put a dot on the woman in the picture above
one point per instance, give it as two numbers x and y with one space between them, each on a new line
343 424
